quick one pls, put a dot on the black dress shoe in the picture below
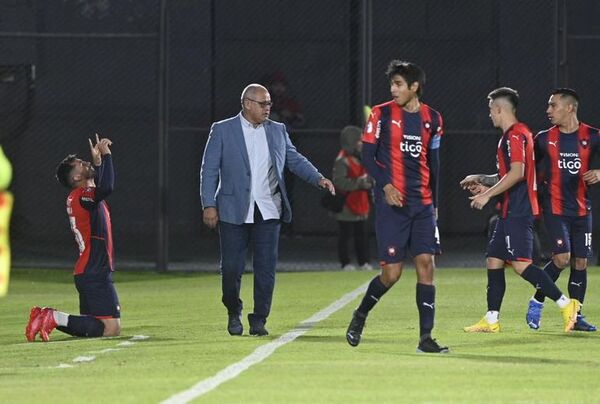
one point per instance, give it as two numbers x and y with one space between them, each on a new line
258 330
257 325
234 325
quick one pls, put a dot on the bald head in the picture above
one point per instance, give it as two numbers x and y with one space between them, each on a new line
256 103
252 90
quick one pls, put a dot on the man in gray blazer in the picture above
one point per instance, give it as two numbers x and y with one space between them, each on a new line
243 192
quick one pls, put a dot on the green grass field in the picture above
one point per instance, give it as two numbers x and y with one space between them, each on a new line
182 316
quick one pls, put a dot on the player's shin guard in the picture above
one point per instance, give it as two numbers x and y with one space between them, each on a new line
577 284
374 292
426 306
540 280
83 326
553 272
495 288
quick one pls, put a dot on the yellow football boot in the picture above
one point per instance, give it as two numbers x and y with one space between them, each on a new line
483 326
569 314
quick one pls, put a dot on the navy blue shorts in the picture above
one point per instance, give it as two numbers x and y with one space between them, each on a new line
399 230
512 239
97 296
570 234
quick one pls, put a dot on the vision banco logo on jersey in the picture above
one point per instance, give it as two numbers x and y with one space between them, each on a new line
412 145
570 162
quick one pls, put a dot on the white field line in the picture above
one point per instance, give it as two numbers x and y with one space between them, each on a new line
90 340
84 359
262 352
81 359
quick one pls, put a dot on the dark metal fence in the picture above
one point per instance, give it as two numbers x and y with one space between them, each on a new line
153 75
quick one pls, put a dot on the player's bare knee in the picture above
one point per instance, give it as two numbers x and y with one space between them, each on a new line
112 328
494 263
520 266
580 263
424 269
112 332
390 275
562 260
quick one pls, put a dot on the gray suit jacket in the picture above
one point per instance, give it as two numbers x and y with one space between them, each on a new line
225 173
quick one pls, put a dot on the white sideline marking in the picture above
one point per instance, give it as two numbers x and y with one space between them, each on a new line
126 343
63 366
81 359
106 350
84 359
262 352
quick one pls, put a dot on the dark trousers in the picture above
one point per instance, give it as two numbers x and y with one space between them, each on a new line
263 238
361 241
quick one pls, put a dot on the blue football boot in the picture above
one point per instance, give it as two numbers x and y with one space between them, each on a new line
582 325
534 314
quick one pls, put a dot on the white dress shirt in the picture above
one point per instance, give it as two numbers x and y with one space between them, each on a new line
263 191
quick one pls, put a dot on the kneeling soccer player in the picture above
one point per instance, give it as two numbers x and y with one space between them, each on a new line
89 218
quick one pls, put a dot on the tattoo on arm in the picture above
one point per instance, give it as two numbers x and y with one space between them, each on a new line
489 180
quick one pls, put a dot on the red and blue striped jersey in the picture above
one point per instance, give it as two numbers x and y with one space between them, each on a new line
397 150
563 158
516 146
89 218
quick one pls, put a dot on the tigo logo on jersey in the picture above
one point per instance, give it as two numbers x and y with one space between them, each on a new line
413 148
573 165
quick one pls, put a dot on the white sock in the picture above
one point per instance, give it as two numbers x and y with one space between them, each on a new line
492 316
563 301
61 318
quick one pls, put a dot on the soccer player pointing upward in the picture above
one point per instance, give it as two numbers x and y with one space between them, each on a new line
400 150
89 217
512 240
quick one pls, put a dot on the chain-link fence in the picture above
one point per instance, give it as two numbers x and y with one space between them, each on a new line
153 75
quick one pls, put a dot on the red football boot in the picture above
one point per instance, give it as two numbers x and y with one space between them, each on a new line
34 324
48 323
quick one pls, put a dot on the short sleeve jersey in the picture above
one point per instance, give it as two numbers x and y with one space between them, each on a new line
563 158
516 146
403 141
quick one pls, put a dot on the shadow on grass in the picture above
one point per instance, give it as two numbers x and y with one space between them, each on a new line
323 338
524 360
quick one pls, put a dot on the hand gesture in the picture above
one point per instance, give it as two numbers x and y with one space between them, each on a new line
393 197
327 184
95 151
479 201
477 189
591 177
470 180
99 149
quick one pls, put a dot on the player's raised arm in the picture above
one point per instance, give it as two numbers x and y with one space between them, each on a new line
106 175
